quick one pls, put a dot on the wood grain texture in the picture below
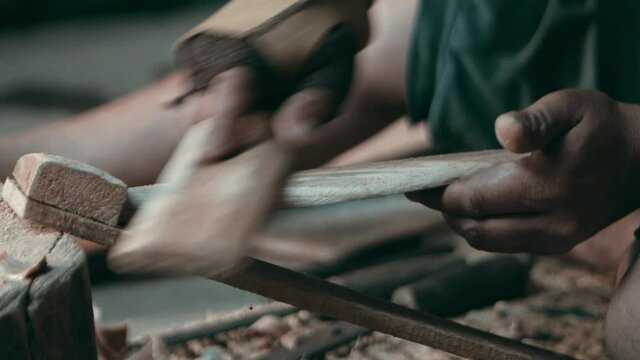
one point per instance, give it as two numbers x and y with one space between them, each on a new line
327 186
334 185
56 218
71 186
49 316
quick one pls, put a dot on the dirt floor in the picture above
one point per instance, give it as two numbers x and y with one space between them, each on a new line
564 312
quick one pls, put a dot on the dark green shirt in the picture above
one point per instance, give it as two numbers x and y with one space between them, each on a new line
472 60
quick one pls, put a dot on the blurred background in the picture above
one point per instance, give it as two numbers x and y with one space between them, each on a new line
61 57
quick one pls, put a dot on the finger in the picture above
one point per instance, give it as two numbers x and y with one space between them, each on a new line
431 198
302 113
509 188
543 122
324 85
538 234
231 96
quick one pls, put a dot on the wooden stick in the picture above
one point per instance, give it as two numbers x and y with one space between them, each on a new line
332 300
334 185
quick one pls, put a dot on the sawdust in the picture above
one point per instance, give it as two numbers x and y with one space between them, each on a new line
565 313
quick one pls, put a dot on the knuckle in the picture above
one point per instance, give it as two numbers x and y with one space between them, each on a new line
536 121
475 236
474 204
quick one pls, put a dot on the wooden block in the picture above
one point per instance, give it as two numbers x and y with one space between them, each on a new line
318 342
49 316
71 186
56 218
333 185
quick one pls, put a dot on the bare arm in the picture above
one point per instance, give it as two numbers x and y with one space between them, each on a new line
132 137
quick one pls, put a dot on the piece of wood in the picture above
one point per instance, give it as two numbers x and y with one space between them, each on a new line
381 280
373 180
332 300
331 234
285 32
333 185
79 188
378 280
47 315
56 218
318 342
463 288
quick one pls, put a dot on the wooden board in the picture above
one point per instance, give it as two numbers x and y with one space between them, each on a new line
333 233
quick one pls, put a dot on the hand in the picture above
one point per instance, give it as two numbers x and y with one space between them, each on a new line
581 175
246 95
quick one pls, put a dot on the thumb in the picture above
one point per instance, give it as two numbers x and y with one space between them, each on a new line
542 123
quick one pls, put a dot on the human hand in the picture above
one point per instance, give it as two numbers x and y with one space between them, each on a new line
581 175
249 100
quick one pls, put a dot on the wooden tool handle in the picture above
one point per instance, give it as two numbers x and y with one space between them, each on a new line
321 296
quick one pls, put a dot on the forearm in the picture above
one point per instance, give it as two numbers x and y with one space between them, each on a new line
131 137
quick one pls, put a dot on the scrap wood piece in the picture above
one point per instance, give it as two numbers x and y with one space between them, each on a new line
333 185
49 315
70 186
57 218
318 342
14 270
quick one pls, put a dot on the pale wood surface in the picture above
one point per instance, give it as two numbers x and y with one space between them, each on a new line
56 218
334 185
80 189
356 182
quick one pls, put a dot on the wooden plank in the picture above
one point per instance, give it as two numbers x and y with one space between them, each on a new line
318 342
326 235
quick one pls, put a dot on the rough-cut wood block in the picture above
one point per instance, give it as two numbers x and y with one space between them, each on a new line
71 186
56 218
49 316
